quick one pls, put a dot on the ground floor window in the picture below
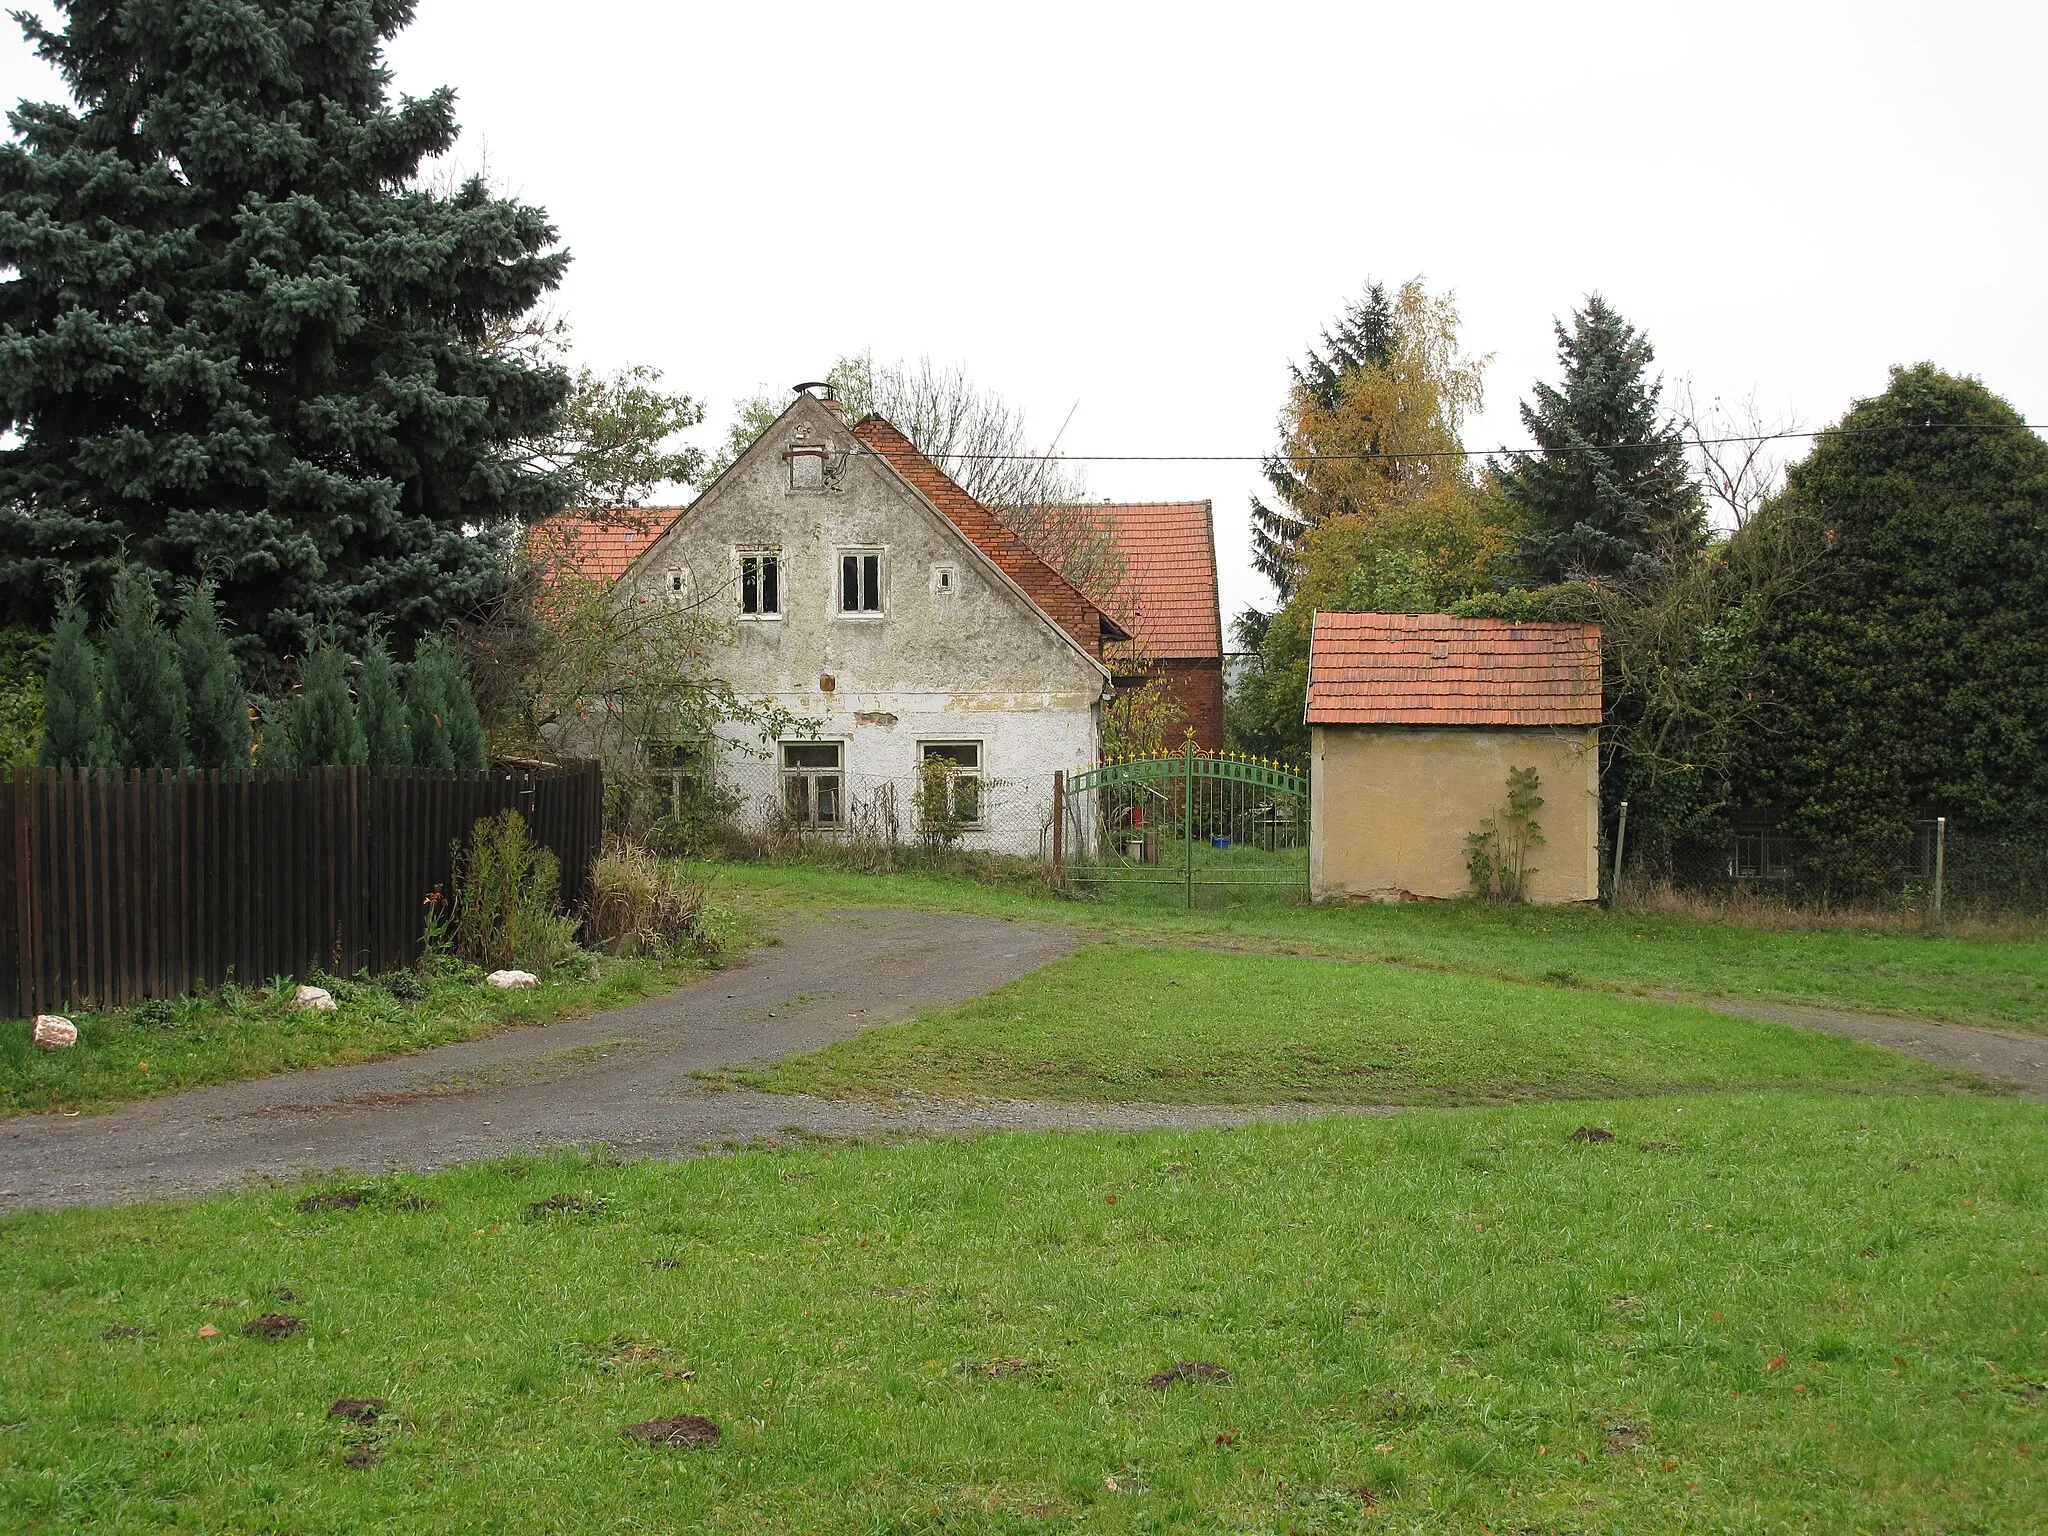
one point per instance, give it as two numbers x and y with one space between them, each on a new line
674 769
812 782
950 784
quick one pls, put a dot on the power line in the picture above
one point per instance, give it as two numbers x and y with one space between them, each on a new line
1477 453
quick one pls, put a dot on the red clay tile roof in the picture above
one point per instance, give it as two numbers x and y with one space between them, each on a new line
1433 669
598 545
1062 601
1169 599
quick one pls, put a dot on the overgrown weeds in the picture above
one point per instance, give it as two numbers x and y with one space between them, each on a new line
1750 907
508 910
642 906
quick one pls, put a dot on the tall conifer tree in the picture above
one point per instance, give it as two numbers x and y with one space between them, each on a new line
382 709
142 691
241 333
1364 337
71 694
325 732
217 727
1610 493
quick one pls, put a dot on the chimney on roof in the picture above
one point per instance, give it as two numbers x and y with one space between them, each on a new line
822 391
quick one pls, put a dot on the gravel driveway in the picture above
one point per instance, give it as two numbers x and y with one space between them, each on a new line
628 1077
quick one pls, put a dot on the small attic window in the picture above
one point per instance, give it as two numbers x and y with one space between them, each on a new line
945 580
676 587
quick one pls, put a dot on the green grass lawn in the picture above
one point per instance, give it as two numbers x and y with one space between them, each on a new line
244 1032
1126 1022
1743 1313
1997 982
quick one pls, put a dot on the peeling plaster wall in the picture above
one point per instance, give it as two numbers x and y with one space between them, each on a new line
980 663
1391 806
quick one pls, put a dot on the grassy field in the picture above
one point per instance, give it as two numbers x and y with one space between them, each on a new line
1121 1022
1997 982
244 1032
1743 1313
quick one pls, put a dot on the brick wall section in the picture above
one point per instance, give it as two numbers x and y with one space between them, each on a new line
1197 686
1060 598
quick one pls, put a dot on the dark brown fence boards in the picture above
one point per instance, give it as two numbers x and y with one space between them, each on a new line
115 887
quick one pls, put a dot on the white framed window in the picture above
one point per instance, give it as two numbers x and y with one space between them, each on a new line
760 583
677 587
860 582
813 783
945 580
955 768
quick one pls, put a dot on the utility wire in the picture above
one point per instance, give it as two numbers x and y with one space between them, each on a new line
1475 453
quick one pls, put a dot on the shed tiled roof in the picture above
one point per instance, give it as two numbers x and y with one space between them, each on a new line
1433 669
1169 599
598 546
1062 601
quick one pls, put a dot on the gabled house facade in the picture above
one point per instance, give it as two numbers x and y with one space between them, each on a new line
868 596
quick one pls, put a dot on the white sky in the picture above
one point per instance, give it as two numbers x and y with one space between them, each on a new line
1150 209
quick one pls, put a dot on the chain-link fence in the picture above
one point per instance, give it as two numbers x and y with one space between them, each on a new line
1938 864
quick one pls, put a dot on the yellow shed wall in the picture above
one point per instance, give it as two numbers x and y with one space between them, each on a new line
1391 805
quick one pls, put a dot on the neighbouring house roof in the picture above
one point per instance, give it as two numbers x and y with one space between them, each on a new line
1062 601
1434 669
598 546
1169 598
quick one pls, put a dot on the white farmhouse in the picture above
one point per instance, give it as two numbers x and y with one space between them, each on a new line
871 595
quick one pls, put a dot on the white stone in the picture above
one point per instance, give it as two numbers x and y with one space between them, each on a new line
54 1033
319 999
511 979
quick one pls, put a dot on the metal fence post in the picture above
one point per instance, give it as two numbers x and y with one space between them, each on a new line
1059 826
1620 841
1187 808
1940 863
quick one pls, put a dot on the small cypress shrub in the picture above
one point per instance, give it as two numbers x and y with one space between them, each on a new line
382 710
217 727
325 731
427 705
142 692
71 694
273 738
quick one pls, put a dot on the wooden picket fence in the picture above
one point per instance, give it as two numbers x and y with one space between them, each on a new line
121 886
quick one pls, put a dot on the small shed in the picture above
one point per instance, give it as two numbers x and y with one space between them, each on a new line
1415 722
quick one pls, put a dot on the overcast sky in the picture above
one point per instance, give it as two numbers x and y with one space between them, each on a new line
1148 210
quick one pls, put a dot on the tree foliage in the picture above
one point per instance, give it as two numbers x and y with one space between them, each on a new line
1609 490
239 336
1374 424
1906 680
1389 513
71 693
142 692
325 731
381 708
217 726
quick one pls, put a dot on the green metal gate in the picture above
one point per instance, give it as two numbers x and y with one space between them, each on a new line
1184 823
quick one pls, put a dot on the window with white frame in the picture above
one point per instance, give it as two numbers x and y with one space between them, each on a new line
760 584
860 581
812 783
953 769
677 587
945 580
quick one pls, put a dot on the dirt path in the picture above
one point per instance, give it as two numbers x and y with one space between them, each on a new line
2018 1061
623 1077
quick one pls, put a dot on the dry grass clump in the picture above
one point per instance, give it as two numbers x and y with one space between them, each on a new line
1751 908
641 906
